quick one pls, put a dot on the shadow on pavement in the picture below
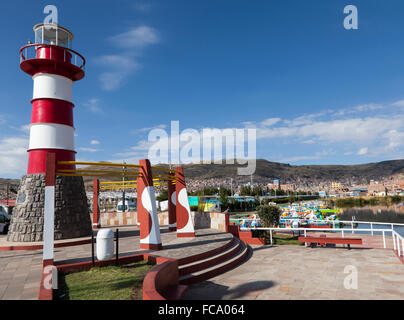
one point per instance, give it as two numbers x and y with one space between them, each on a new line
208 290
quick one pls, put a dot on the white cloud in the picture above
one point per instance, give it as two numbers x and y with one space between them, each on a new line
13 156
160 126
138 37
94 142
122 65
270 121
347 130
142 7
93 105
399 103
88 149
362 151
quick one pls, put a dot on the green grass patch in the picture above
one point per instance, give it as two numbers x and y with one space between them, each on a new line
278 239
285 239
104 283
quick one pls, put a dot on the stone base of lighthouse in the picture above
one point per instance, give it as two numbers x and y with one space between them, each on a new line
72 218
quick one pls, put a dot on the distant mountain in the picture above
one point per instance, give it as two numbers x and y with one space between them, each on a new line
267 170
275 170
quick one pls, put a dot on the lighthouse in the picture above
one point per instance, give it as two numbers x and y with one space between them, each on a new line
54 67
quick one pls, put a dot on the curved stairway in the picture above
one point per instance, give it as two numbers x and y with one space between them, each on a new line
212 263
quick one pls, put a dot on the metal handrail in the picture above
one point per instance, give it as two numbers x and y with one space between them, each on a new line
23 58
394 234
330 221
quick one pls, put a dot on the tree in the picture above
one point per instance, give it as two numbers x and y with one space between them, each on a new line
224 199
163 195
269 215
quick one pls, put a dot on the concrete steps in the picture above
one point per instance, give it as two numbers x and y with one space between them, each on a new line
214 265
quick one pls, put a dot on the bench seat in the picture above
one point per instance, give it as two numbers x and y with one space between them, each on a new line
334 240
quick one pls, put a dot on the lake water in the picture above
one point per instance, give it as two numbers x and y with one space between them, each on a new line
392 214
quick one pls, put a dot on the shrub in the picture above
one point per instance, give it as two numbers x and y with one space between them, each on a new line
269 215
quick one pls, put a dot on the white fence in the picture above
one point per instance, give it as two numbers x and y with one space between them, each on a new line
334 223
398 240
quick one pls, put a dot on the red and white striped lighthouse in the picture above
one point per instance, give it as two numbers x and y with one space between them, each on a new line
54 67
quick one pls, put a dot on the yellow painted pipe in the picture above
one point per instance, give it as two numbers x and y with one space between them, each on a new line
117 182
105 164
163 169
93 175
95 171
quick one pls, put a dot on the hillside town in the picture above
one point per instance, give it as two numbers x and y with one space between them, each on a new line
390 186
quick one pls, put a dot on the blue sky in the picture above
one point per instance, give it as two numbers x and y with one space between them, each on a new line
317 93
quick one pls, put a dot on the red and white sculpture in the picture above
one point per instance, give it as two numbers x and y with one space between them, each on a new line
172 214
150 238
185 226
54 67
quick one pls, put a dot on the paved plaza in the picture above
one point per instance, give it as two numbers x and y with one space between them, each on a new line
20 271
292 272
279 272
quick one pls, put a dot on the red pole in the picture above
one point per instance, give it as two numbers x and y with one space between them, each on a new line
96 209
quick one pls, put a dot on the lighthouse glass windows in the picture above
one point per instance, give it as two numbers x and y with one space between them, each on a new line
53 35
39 35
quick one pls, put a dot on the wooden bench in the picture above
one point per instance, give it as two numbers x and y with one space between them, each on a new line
324 240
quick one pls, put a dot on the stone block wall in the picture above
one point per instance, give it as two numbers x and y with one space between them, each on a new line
72 218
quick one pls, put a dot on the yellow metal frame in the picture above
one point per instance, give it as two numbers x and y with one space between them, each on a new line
158 181
105 164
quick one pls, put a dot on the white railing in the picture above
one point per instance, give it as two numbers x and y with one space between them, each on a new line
335 222
397 239
28 52
395 235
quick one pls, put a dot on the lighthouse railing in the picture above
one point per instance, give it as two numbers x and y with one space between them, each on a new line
28 52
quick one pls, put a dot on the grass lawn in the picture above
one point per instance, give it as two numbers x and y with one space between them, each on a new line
285 239
104 283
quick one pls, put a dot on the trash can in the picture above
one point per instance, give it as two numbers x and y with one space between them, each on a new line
105 244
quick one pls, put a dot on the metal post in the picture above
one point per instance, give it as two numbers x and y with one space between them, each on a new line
402 246
343 233
384 240
270 233
371 228
352 227
123 190
394 241
117 247
92 248
398 246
